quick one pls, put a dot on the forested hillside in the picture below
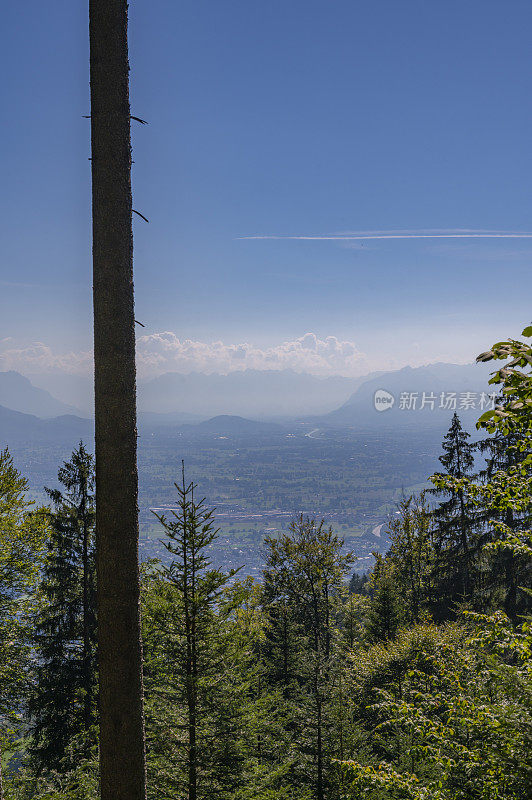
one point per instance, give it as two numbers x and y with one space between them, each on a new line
313 682
265 520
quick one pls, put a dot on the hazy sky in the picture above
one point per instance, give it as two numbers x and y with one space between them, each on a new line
277 118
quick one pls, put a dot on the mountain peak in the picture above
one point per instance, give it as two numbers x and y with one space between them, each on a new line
19 394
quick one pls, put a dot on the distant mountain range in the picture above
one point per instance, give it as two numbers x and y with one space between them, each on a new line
75 390
249 393
20 394
40 443
422 396
16 427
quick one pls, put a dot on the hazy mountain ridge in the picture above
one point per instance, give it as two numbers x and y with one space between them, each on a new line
175 399
197 395
256 393
421 395
19 394
16 426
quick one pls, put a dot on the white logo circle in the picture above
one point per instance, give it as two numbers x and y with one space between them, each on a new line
383 400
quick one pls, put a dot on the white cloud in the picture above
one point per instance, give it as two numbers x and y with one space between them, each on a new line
39 357
166 352
454 233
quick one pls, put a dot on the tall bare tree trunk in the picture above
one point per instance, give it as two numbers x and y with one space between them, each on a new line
122 758
86 657
1 783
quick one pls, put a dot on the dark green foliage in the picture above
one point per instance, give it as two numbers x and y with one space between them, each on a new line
451 714
505 572
354 619
456 523
305 686
194 689
63 706
384 616
358 584
411 557
304 583
22 533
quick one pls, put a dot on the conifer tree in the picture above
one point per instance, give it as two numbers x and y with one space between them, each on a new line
64 702
305 577
385 612
411 555
456 523
193 692
354 615
281 646
358 583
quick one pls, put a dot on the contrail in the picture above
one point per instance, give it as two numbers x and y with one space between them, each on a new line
383 235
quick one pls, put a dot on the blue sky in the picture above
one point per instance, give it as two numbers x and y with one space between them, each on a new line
302 117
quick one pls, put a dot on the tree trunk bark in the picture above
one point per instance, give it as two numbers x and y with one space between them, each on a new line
465 547
319 743
87 676
190 670
122 757
1 783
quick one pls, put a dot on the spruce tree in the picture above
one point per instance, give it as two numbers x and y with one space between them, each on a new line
456 523
386 610
358 583
411 555
193 692
281 645
304 578
63 706
354 613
